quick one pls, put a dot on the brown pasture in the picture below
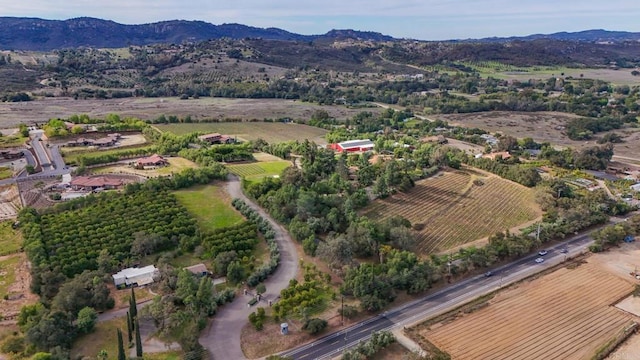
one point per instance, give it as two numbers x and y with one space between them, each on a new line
41 110
567 314
542 127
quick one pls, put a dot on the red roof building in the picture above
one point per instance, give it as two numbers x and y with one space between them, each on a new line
153 160
353 146
90 183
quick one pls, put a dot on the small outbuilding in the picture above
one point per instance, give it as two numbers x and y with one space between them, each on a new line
198 269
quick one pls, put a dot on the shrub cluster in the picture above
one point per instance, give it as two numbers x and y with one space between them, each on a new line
265 228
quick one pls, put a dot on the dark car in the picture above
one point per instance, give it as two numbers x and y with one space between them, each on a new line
488 273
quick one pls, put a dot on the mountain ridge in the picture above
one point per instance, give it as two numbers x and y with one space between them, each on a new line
30 33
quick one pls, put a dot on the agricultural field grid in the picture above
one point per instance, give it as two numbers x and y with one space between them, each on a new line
564 315
455 208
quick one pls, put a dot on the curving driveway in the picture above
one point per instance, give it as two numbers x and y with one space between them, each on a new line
222 337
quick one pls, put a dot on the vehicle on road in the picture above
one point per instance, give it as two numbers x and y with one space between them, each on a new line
564 250
539 260
488 274
542 252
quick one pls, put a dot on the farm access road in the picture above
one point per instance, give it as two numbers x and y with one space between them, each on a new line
222 338
440 302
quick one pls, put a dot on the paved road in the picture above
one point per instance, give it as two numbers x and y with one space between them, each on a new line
222 338
38 146
50 156
439 302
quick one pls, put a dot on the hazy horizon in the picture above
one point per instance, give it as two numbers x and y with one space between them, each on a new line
423 20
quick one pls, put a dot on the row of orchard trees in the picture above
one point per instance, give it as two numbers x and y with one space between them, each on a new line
70 241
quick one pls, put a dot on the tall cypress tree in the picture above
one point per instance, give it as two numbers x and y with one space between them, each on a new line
138 341
121 355
133 308
129 327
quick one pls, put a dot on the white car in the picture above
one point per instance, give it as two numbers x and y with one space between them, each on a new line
539 260
542 252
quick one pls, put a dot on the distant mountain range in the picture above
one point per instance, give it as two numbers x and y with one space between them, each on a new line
39 34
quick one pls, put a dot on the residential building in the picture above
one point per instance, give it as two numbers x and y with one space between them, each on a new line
93 183
198 269
151 162
215 138
135 276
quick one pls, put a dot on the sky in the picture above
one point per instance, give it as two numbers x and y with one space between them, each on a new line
416 19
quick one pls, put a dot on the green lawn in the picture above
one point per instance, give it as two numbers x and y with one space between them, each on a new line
8 271
11 141
5 172
210 205
259 170
10 240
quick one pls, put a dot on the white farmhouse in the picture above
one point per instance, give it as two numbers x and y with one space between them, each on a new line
135 276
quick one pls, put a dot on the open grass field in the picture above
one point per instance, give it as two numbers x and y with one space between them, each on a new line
8 266
453 210
270 132
567 314
41 110
542 127
499 70
210 205
259 170
10 239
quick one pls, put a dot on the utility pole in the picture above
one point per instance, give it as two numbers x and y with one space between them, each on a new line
342 310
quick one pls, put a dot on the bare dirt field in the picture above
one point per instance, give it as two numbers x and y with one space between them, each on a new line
567 314
542 127
41 110
247 131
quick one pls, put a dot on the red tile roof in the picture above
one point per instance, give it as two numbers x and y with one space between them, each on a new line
151 160
95 181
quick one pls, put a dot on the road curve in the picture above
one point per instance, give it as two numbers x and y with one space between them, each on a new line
222 337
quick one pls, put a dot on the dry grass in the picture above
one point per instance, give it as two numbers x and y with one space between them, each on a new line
104 337
176 165
12 114
270 132
542 127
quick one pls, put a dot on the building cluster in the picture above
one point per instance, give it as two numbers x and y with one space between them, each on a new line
109 140
11 154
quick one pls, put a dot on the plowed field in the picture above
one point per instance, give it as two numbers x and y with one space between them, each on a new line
567 314
458 207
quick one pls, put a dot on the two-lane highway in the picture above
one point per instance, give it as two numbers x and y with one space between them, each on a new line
439 302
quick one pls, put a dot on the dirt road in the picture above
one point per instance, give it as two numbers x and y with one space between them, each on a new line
222 337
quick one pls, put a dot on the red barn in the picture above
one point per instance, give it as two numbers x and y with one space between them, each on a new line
353 146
